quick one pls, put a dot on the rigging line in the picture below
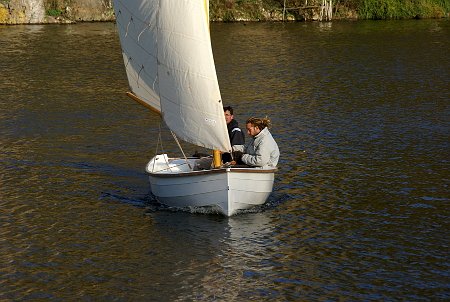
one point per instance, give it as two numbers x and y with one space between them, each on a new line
139 74
154 82
156 152
157 29
131 20
162 150
139 36
181 149
159 139
162 147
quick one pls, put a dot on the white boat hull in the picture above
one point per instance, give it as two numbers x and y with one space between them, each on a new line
228 190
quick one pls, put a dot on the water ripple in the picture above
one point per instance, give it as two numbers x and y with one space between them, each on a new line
359 208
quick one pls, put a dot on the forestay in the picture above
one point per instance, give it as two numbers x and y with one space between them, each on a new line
167 52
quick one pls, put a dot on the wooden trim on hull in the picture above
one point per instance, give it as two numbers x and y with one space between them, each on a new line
213 171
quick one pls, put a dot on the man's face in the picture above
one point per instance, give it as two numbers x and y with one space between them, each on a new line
228 116
252 130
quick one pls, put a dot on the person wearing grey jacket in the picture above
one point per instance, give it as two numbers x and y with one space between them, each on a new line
261 150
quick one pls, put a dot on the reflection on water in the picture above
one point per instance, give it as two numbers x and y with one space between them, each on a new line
359 209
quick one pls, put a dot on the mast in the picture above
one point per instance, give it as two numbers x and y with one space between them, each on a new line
217 157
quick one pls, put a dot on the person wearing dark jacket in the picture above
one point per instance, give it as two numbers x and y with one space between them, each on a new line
235 133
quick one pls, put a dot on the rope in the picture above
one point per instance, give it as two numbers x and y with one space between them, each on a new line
181 149
162 149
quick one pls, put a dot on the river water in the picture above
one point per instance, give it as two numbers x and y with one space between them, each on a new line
360 208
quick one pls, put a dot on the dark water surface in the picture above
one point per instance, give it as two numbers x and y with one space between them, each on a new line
360 206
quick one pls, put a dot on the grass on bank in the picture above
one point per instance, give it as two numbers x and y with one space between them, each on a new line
403 9
54 12
233 10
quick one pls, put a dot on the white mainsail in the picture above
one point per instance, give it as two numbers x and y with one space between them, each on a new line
169 62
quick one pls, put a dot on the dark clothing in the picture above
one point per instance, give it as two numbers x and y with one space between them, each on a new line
235 133
237 137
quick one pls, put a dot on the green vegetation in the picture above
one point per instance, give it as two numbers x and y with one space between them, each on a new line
235 10
54 12
265 10
53 8
403 9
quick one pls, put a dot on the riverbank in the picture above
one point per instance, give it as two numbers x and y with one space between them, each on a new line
59 11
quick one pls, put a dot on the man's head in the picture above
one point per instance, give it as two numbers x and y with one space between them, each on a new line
256 125
252 130
228 111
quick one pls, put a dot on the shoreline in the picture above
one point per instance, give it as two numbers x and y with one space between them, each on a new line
13 12
71 22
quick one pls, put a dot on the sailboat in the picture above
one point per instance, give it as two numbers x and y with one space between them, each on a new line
169 63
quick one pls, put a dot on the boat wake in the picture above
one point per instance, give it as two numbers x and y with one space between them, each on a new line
152 205
137 202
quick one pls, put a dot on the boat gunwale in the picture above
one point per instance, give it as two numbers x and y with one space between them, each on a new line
212 171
